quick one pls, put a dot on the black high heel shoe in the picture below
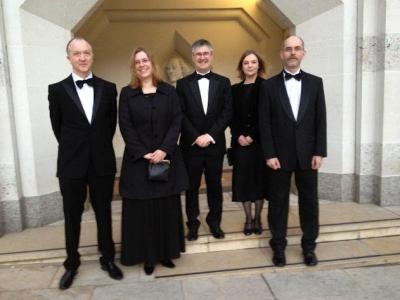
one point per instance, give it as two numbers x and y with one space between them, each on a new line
167 263
257 226
248 228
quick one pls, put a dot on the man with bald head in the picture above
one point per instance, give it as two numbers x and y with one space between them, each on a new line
83 114
292 118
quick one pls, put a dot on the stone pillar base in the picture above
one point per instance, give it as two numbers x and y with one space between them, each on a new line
30 212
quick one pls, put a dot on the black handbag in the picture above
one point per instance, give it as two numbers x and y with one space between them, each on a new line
160 171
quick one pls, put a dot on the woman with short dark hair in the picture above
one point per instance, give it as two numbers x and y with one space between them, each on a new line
249 169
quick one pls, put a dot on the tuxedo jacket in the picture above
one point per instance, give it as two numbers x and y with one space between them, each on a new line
195 122
292 141
81 142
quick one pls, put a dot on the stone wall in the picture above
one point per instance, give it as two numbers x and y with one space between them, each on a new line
353 45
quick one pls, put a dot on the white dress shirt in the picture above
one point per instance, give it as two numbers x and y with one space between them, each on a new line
293 89
204 86
86 95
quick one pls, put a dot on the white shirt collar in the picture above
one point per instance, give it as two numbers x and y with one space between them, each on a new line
197 72
295 73
76 77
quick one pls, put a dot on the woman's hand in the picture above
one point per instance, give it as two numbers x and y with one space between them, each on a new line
148 156
156 156
249 139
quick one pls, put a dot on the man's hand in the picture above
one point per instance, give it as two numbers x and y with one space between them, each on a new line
273 163
316 162
242 140
203 141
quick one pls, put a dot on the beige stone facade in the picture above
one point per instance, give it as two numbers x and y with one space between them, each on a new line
353 45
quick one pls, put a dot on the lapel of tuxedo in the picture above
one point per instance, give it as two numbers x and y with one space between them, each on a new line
304 97
283 96
98 91
69 87
212 89
194 88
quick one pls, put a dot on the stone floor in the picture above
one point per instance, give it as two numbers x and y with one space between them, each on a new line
40 282
235 274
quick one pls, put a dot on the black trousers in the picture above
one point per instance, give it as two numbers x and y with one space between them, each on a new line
278 207
212 168
74 192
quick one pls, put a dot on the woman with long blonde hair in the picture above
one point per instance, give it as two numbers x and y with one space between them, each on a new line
150 123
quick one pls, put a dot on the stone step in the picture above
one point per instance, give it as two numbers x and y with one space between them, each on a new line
331 255
328 233
233 241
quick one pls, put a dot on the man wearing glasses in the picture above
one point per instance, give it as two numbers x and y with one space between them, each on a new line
206 103
292 118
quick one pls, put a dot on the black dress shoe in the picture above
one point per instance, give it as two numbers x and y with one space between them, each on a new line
310 259
217 232
248 228
257 227
192 234
148 268
112 270
67 279
167 263
279 259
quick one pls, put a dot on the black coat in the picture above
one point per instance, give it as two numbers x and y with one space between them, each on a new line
245 112
196 122
148 124
282 136
80 142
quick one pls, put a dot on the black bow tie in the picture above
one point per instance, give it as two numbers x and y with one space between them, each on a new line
199 76
88 81
290 76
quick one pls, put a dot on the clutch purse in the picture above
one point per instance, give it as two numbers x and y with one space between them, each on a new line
160 171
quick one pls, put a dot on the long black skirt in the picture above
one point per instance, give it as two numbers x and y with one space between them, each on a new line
249 175
152 230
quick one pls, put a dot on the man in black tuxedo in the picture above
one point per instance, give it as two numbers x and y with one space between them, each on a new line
83 114
206 102
293 135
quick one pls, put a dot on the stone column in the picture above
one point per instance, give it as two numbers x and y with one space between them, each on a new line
34 33
331 54
389 193
10 210
378 108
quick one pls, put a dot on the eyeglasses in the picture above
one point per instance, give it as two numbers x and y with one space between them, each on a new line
200 54
293 49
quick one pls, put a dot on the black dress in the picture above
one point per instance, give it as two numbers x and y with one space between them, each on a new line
152 223
249 169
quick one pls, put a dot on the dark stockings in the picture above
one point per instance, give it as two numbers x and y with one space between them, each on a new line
247 211
258 209
259 206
